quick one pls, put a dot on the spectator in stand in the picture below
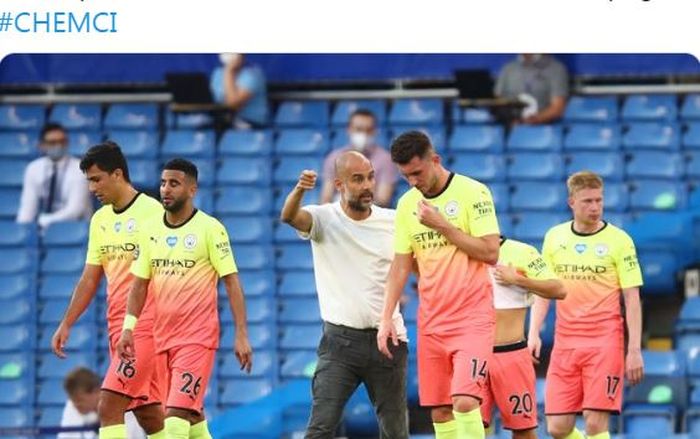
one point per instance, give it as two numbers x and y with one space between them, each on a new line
242 87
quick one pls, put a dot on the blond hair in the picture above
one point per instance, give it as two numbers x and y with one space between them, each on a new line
583 180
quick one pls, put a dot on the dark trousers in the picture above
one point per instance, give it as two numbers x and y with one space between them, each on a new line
348 357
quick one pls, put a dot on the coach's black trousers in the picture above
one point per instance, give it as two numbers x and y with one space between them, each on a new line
346 358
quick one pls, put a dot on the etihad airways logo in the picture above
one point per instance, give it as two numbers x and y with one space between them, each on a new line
429 239
170 263
119 252
580 271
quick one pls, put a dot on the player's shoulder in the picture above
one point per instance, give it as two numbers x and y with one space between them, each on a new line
513 245
206 221
410 197
615 234
148 202
561 230
462 182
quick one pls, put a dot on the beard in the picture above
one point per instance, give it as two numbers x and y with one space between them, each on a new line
358 205
174 206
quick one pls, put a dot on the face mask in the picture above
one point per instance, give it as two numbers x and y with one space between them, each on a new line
55 153
360 141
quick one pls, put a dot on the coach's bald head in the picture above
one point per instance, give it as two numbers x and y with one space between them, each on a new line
354 179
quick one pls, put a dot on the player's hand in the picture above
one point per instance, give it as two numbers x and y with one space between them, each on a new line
429 216
244 353
59 340
307 180
534 345
505 274
125 346
386 330
634 367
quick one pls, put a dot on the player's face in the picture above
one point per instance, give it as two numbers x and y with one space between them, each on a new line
587 205
102 184
421 173
85 402
357 186
176 188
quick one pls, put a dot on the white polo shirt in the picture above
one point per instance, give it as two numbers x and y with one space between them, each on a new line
351 265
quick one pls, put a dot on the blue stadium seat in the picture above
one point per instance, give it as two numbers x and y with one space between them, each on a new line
591 109
16 286
343 110
259 310
241 391
189 143
650 107
693 370
689 316
144 174
246 142
77 116
648 423
254 229
255 171
302 141
16 338
410 309
18 145
298 283
475 116
663 363
188 121
204 199
436 134
616 197
81 141
339 138
52 312
63 260
501 196
16 393
538 196
691 136
477 138
533 225
21 117
294 257
17 261
243 200
298 364
136 144
541 138
416 112
9 200
654 164
285 233
482 167
17 417
535 166
300 336
13 234
659 268
132 116
609 165
51 393
300 310
51 366
302 113
68 233
259 283
206 171
50 416
82 338
592 137
505 223
12 173
692 167
289 168
58 286
656 195
264 365
253 256
690 110
692 423
651 135
260 336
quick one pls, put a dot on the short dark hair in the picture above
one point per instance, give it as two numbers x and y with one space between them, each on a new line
408 145
186 166
107 156
50 126
81 379
363 112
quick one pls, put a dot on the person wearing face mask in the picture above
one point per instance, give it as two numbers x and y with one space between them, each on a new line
540 82
241 87
54 189
362 131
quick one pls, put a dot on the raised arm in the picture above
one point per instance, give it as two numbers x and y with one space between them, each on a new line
292 213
